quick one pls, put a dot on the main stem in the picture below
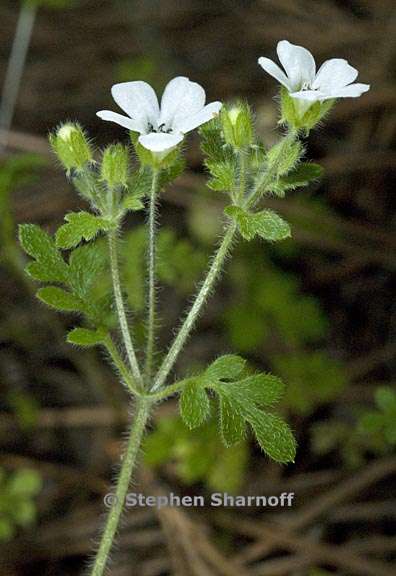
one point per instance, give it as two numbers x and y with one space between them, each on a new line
115 274
151 273
128 464
213 274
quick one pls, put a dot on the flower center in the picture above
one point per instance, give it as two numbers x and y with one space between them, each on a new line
305 86
161 129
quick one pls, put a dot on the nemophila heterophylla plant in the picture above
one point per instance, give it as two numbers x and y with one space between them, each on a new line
74 265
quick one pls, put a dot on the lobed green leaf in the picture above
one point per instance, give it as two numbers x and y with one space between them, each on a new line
227 367
232 424
86 337
49 265
80 226
266 224
61 299
194 404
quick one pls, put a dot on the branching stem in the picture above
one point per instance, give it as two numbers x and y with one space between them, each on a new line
184 332
115 274
150 348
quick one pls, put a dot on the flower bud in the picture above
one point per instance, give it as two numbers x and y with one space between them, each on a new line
115 164
237 125
302 114
71 146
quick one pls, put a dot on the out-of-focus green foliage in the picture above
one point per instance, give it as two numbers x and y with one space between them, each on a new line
24 407
17 506
14 172
173 254
197 455
270 303
364 432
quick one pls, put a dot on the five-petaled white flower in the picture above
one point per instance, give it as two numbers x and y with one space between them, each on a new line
161 127
333 79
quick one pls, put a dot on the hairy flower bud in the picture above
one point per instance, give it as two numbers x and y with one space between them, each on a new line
71 146
237 125
114 168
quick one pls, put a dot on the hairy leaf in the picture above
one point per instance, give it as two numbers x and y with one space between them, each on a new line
80 226
266 224
194 404
60 299
85 337
49 265
232 425
227 367
260 389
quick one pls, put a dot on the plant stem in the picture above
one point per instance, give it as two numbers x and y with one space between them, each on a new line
16 65
121 308
128 463
213 274
151 273
268 175
120 365
168 391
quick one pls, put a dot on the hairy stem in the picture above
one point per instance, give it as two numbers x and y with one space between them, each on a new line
115 274
120 365
151 274
213 274
118 498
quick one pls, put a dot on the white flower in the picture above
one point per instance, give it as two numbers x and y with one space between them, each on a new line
333 79
161 127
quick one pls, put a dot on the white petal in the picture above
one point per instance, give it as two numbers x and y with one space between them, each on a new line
298 63
139 101
119 119
181 99
274 70
352 91
207 113
334 73
310 95
159 141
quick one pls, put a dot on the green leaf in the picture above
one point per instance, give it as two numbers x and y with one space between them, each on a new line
132 203
49 265
227 367
303 174
80 226
85 264
85 337
60 299
260 389
273 435
232 425
223 175
266 224
194 404
25 482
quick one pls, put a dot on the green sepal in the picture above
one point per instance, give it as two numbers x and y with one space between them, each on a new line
115 165
266 224
194 404
80 226
85 337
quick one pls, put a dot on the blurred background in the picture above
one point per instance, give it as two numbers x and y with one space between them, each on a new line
317 310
